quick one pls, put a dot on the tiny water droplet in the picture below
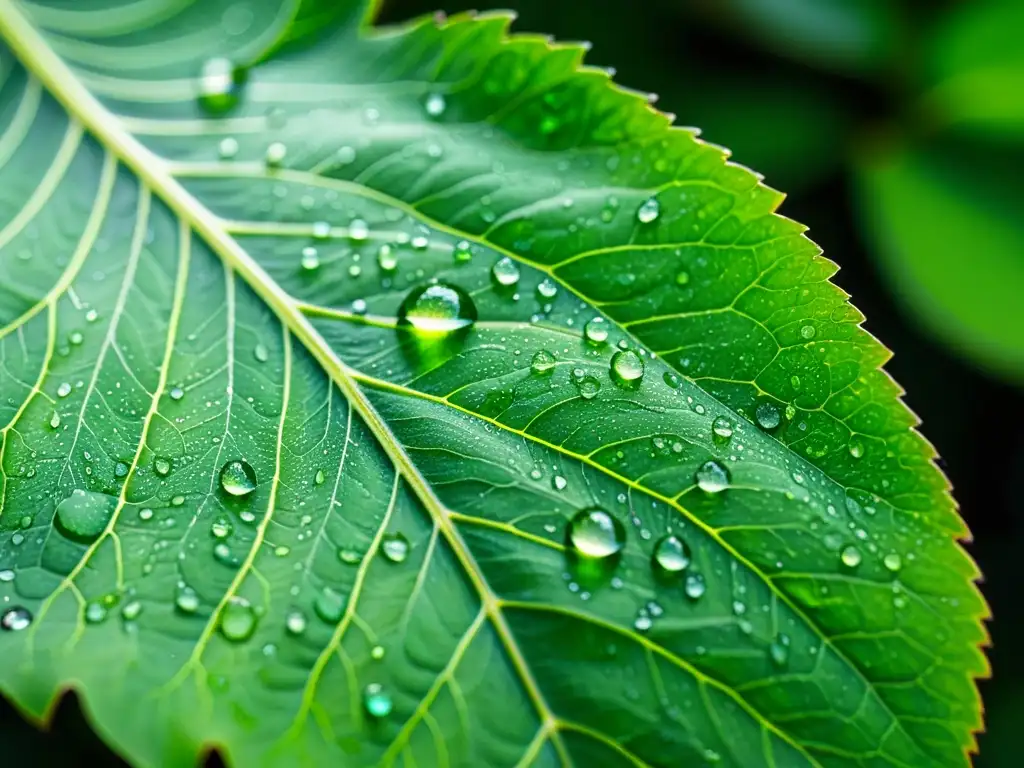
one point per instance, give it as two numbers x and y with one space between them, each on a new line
712 477
648 211
682 278
779 650
275 154
321 230
349 557
161 466
587 386
63 389
395 547
767 416
627 369
596 330
95 613
893 562
221 528
671 554
594 533
186 600
850 556
228 148
295 623
542 362
237 620
671 380
319 477
358 230
377 652
145 514
559 483
547 288
856 448
55 420
310 260
176 393
6 575
261 353
437 308
434 104
505 271
722 429
75 338
131 610
386 258
643 623
808 331
462 252
15 619
694 587
376 700
238 478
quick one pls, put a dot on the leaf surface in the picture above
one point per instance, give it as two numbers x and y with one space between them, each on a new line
245 507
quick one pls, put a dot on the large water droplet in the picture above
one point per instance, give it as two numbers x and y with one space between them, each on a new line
237 620
84 514
627 368
330 605
547 288
712 477
722 429
543 362
648 211
505 271
238 478
671 554
850 556
395 547
377 701
220 84
594 533
596 330
893 562
438 308
767 415
161 466
15 619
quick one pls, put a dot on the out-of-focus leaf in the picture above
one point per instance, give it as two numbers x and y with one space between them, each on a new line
849 36
947 226
976 69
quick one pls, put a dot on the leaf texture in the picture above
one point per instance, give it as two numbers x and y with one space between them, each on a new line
180 291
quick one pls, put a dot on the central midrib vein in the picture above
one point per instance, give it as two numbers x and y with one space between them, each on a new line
39 58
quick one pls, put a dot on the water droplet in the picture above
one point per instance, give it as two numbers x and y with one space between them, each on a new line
63 389
542 362
462 252
358 230
682 278
671 380
395 547
295 623
893 562
15 619
856 448
767 416
186 600
310 260
84 514
145 514
671 554
850 556
75 338
330 605
177 501
176 393
643 623
161 466
319 477
438 308
596 330
505 271
594 533
376 700
386 258
261 353
808 332
120 469
220 84
420 242
559 483
238 478
349 557
92 316
6 575
779 650
237 620
712 477
55 420
694 586
434 105
228 148
722 429
321 230
275 154
131 610
95 613
221 528
588 386
627 368
648 211
547 288
377 652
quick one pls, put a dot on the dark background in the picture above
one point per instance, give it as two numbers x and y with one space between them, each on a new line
801 115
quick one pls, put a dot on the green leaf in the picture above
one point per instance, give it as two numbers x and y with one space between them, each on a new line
196 304
946 225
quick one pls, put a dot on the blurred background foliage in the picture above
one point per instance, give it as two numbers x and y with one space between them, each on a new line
897 129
